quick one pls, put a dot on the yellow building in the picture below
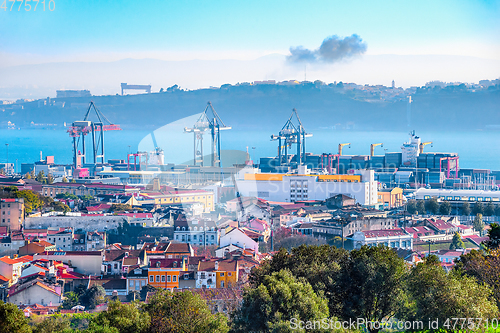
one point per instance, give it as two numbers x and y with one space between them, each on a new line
177 196
390 198
226 271
164 273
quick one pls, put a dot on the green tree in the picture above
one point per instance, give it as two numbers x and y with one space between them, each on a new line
457 242
489 209
485 267
432 206
71 299
445 208
27 175
318 265
12 319
182 312
421 207
31 200
65 180
276 302
53 324
493 242
50 179
127 318
478 224
60 207
411 207
370 284
93 297
95 328
478 208
466 209
40 177
433 293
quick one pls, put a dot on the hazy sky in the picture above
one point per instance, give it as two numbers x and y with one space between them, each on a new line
91 30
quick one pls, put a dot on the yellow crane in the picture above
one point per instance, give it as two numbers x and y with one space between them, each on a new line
341 145
372 147
423 144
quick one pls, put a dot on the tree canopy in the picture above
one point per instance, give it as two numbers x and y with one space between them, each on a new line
277 302
12 319
182 312
434 293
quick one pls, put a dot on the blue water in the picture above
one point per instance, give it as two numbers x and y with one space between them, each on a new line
478 149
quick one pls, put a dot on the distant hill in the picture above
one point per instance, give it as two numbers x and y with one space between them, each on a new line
268 107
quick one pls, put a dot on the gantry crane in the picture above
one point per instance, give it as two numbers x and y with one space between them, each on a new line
207 122
291 134
423 144
341 146
80 129
372 148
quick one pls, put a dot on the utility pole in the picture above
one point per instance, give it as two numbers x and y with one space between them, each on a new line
7 169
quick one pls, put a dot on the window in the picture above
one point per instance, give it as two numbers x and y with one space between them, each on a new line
222 284
157 278
131 283
229 274
168 278
174 278
151 278
143 283
163 278
221 274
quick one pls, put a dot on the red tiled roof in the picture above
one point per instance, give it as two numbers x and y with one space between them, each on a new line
224 265
384 233
166 263
9 261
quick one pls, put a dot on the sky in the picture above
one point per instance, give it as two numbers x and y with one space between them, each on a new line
174 30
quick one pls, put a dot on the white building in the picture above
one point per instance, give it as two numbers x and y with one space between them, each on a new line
360 185
233 240
394 238
470 196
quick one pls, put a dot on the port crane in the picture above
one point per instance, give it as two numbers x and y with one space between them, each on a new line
209 120
423 144
291 133
82 128
372 148
341 146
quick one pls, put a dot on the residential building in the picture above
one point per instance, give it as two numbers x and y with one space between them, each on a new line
83 262
234 239
37 246
164 273
225 272
390 198
11 269
393 238
113 260
194 231
137 277
36 291
62 238
12 213
95 240
93 189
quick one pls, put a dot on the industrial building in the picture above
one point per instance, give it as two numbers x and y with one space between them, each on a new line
458 195
288 187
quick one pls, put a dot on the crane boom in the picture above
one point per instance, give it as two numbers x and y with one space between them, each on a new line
372 148
341 145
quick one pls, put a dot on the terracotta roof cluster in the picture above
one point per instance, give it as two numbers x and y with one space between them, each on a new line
223 265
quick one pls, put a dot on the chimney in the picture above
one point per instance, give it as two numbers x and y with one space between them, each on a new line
216 265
